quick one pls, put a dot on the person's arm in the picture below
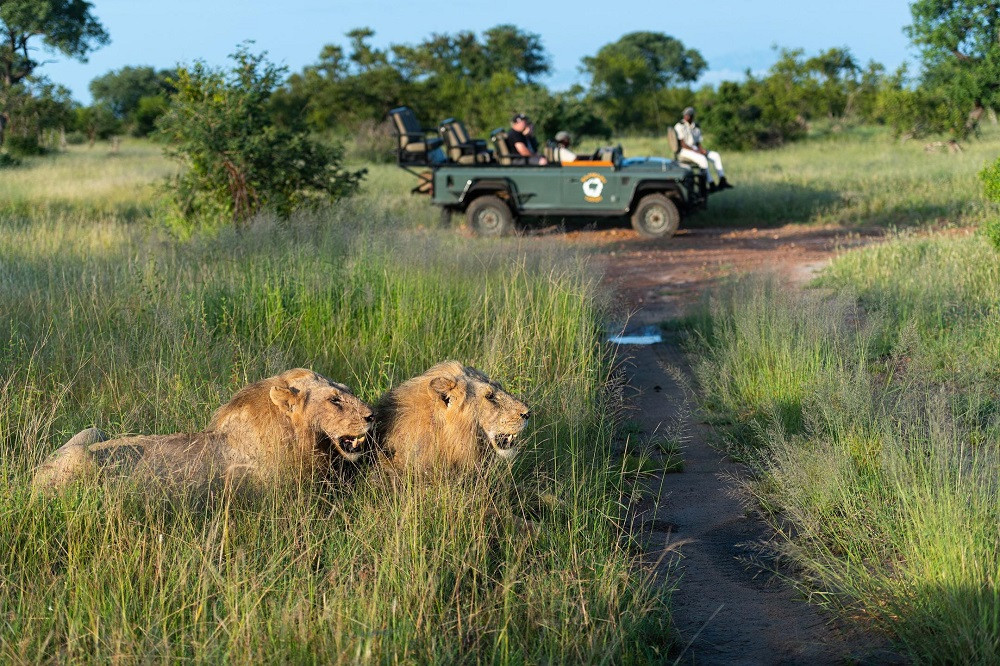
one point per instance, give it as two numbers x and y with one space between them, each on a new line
522 149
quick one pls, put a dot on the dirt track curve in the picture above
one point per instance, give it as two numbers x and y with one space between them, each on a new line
730 607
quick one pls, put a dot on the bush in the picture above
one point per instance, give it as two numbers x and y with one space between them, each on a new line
8 161
991 187
239 161
23 146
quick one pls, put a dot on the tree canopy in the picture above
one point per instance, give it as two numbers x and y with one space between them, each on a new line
959 42
65 26
628 76
122 89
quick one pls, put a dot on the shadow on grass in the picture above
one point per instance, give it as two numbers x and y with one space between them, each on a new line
765 205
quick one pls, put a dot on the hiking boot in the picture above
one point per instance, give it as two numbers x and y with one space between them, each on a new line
724 184
712 187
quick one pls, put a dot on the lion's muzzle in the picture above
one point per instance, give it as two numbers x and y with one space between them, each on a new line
350 446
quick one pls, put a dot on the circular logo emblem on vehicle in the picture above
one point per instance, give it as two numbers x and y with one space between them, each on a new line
593 185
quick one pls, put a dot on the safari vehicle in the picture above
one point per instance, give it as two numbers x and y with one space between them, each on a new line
495 189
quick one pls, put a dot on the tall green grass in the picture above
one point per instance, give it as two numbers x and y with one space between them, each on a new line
872 431
124 325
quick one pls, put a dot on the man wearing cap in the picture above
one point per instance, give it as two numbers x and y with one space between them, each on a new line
689 137
519 144
562 153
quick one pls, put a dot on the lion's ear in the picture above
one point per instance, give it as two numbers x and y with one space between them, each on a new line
286 399
443 387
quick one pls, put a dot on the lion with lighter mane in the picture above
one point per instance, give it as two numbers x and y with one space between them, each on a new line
450 416
291 425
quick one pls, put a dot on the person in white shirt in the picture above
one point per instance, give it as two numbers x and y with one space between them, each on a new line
689 137
562 152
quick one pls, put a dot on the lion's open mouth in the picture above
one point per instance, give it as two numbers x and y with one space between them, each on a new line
349 446
503 444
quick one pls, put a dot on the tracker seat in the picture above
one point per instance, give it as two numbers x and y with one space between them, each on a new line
461 148
413 145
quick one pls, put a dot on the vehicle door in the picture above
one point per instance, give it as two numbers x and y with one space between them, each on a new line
593 186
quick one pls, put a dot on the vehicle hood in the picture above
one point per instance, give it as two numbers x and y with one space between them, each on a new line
651 165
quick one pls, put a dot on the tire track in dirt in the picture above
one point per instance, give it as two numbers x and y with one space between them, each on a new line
729 605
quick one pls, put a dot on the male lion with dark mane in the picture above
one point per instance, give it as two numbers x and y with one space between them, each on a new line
449 416
287 426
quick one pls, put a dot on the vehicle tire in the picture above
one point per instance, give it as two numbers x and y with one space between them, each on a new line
490 216
656 216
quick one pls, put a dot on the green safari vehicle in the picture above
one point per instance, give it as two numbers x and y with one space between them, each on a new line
495 189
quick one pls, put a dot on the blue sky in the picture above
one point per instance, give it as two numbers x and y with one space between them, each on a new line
732 35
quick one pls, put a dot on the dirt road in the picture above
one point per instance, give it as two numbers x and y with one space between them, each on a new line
729 606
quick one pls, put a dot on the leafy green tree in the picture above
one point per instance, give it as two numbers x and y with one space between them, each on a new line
238 161
628 75
123 90
39 108
461 74
147 112
959 42
63 26
97 122
913 110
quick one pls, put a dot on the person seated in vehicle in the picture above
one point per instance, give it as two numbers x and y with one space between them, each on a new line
519 143
563 154
692 150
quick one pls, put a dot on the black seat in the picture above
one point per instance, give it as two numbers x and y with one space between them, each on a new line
413 144
461 147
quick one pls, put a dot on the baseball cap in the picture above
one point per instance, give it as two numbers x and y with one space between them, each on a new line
689 111
519 116
562 135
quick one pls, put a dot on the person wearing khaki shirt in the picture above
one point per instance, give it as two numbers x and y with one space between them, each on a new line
689 137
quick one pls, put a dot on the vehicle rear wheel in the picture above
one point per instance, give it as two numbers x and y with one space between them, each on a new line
656 216
490 216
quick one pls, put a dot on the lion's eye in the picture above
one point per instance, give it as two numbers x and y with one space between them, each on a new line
335 400
490 396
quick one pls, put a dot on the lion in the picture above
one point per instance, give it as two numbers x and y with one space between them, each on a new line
450 416
287 426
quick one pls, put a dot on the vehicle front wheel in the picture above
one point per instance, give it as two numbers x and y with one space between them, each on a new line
490 216
656 216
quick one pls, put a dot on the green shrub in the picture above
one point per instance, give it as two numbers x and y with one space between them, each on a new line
23 146
238 160
8 161
991 187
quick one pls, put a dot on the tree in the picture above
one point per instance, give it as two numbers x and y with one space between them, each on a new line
122 89
238 160
627 77
40 108
64 26
97 122
959 41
